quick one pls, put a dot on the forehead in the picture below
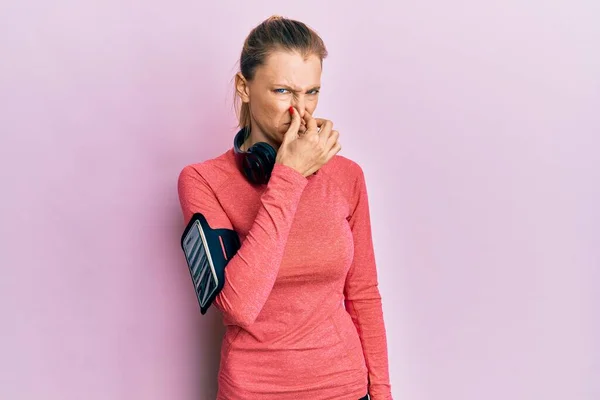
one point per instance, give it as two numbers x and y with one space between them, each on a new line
290 68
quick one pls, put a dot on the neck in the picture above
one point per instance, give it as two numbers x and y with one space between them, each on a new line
255 136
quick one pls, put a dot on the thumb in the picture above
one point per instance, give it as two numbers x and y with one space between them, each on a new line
292 132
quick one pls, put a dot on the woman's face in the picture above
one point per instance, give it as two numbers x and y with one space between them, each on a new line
286 79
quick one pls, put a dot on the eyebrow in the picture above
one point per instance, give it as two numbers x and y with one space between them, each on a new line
294 90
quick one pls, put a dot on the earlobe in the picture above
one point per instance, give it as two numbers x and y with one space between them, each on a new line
241 86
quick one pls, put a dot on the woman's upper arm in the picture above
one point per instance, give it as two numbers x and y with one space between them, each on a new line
196 196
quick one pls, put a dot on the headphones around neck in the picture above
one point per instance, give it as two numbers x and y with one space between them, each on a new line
257 162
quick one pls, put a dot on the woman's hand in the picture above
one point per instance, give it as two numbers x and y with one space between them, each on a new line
308 152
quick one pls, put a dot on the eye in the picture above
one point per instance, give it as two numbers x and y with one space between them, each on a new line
282 91
314 91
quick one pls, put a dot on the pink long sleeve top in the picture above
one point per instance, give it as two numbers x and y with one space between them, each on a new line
300 303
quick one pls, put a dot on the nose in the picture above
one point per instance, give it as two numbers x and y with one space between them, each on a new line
299 105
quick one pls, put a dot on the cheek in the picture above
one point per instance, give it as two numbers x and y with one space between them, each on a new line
311 106
270 109
278 113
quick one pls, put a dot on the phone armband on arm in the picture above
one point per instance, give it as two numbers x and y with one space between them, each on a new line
207 252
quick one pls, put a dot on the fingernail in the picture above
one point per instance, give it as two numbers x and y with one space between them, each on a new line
291 110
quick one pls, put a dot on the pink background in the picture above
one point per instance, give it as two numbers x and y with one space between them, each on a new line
477 126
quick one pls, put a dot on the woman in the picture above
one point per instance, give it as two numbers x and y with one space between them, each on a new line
300 302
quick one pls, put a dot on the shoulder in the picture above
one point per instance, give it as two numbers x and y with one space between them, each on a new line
347 174
344 170
211 172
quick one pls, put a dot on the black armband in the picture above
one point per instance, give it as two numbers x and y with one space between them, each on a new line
207 252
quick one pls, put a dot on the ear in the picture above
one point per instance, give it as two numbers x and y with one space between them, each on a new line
242 88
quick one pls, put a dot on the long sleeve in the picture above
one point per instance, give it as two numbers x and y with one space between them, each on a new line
362 297
251 273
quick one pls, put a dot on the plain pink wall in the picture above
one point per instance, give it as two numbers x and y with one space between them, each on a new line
478 128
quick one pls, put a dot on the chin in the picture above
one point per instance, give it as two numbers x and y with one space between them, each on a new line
286 126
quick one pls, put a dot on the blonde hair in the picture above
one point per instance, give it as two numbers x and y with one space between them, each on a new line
274 33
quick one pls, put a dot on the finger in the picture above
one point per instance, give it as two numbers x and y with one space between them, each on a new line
292 131
320 121
311 124
325 131
332 139
334 150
